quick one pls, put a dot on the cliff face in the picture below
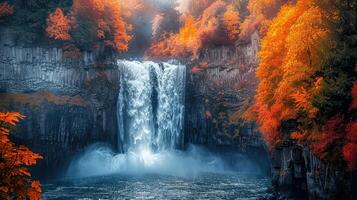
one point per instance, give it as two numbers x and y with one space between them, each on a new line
297 172
68 103
71 103
218 94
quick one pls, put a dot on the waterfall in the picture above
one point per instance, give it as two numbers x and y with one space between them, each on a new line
150 106
150 122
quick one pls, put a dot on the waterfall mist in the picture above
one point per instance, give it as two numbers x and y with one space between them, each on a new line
101 160
150 122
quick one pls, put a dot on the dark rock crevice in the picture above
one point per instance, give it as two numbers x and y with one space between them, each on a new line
298 174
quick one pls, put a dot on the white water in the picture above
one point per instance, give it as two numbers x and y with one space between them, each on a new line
150 106
101 160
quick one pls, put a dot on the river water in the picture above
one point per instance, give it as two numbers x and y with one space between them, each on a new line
204 186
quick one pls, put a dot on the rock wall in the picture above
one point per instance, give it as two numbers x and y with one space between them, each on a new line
298 174
218 95
69 103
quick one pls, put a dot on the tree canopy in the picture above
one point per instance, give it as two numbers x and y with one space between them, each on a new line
307 71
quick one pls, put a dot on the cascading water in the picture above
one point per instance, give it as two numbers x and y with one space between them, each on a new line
150 106
150 121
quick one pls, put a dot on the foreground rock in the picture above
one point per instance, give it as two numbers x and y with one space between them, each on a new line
298 174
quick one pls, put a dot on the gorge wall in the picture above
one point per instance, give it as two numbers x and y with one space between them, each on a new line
218 95
68 103
72 103
220 87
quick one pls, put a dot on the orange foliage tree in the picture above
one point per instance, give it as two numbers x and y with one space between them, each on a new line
261 12
6 9
287 64
210 24
91 23
187 37
350 148
296 71
107 21
15 178
231 21
58 25
184 43
132 7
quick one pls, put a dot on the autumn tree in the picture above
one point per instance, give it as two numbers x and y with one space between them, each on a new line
288 64
15 178
350 148
194 8
100 21
58 25
6 9
28 21
337 96
269 73
184 43
306 73
91 25
213 23
165 23
261 12
231 22
187 35
120 28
